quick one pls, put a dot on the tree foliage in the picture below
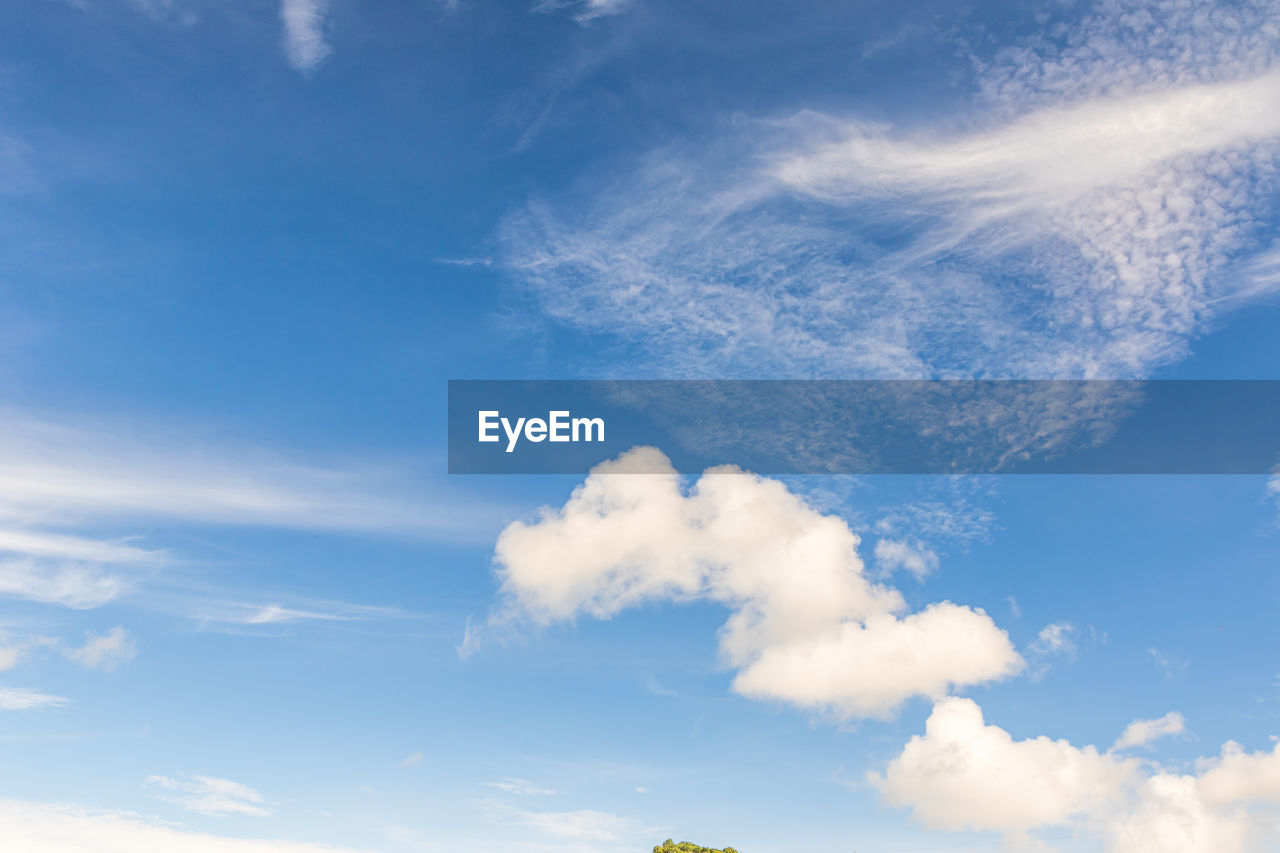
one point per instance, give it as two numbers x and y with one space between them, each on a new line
670 846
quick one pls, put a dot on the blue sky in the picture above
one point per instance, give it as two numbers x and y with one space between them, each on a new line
243 608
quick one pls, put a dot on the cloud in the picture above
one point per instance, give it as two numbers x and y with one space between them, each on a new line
43 544
581 825
952 510
1087 214
963 774
1048 158
899 554
1239 776
207 608
1263 273
1168 666
53 472
56 476
17 174
71 571
210 795
412 760
58 828
274 613
868 669
166 11
584 11
75 585
1142 732
1055 639
806 625
522 787
25 699
1172 816
305 44
154 8
105 651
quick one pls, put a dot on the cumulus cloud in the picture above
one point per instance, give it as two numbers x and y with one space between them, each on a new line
867 669
963 774
105 651
25 699
210 795
305 44
58 828
1088 216
1143 732
806 625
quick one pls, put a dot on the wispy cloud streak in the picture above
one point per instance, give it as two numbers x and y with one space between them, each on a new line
305 43
62 484
1082 230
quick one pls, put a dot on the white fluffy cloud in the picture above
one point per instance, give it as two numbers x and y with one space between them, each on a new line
963 774
1239 776
866 669
806 625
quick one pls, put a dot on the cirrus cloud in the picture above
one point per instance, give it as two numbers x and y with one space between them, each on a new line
1096 206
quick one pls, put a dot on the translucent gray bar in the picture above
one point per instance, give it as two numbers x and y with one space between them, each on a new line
873 426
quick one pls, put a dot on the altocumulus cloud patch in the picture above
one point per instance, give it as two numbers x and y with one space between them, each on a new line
1099 205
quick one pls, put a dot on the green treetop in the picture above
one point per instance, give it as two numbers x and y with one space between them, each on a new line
670 846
